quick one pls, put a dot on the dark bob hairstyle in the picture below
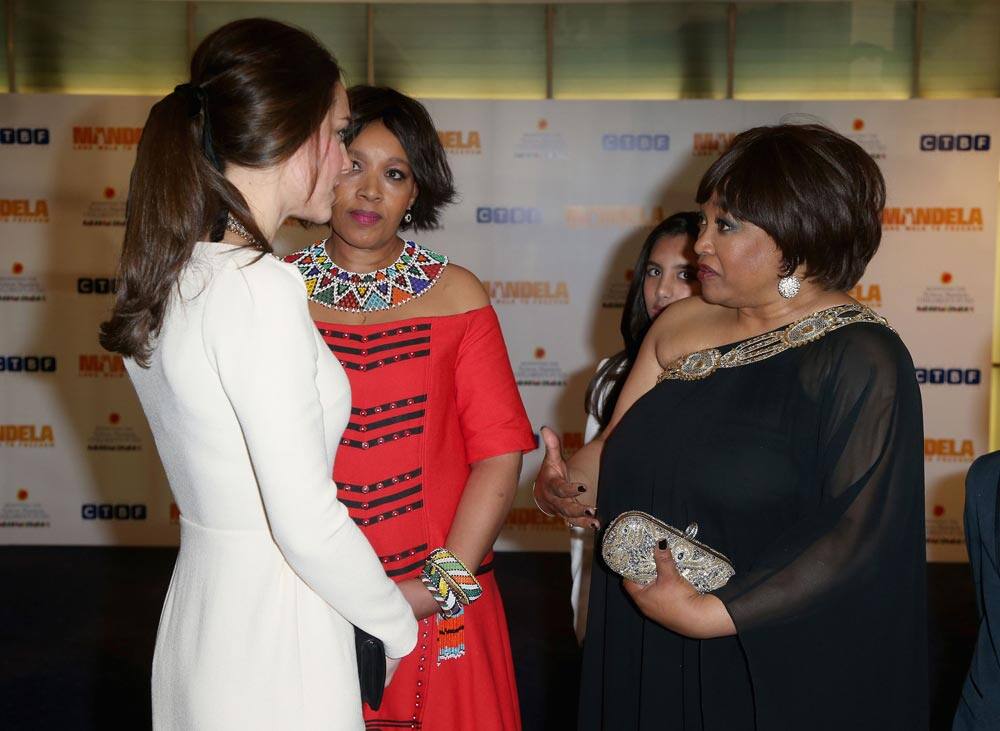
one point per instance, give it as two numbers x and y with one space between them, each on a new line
817 193
606 385
409 121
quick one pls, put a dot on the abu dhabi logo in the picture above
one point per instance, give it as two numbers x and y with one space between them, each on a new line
858 132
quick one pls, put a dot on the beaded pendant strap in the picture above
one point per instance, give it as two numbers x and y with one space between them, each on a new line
415 271
703 363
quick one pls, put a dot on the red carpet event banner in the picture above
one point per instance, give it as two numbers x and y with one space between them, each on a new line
556 198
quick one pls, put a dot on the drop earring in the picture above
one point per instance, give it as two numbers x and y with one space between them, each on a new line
789 286
408 218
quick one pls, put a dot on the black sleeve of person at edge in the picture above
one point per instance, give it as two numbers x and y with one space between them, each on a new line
979 705
832 617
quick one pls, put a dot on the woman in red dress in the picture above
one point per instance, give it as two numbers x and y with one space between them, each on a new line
431 456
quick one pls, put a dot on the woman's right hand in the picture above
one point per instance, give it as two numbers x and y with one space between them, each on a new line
391 663
555 494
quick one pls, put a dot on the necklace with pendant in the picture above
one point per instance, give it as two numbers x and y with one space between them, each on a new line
412 275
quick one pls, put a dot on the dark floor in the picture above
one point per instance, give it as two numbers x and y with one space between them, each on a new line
77 628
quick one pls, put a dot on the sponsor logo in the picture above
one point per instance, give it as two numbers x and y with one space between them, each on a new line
106 138
635 142
867 294
108 511
24 136
24 210
949 450
19 287
96 285
616 292
540 371
608 216
26 435
19 510
868 141
108 211
27 364
523 518
949 376
101 365
946 297
955 143
857 131
711 143
541 144
909 218
114 437
943 529
528 293
486 214
459 142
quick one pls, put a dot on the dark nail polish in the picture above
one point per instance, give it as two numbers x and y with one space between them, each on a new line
581 488
663 544
591 512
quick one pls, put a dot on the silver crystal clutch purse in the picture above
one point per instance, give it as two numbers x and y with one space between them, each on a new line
631 538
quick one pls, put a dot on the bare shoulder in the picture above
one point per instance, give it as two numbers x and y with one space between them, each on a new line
459 290
687 326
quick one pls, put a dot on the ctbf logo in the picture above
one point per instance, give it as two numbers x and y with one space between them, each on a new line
27 363
955 143
486 214
96 285
638 142
949 376
107 511
24 136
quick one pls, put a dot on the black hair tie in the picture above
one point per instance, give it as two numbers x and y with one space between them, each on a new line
196 98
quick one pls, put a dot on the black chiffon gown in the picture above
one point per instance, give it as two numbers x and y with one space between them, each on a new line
806 470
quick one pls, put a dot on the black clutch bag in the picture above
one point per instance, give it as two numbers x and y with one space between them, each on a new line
371 667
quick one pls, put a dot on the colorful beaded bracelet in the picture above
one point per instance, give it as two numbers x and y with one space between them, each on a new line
449 581
441 590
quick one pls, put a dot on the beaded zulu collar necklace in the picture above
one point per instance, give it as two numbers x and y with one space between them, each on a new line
411 275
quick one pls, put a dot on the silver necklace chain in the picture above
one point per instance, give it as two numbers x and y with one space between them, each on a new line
240 230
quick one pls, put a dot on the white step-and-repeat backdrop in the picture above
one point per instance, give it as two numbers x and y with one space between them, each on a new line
556 198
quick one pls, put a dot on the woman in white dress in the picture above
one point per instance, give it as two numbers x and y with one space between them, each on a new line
244 400
665 272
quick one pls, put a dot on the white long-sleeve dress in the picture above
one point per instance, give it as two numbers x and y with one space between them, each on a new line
247 406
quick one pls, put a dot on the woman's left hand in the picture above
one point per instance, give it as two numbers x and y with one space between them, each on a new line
672 601
421 601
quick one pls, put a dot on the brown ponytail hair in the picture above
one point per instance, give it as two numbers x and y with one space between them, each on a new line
259 90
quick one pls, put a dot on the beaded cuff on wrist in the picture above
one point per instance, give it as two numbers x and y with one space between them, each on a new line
449 581
433 578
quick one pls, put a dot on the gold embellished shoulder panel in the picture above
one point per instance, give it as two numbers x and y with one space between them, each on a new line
810 328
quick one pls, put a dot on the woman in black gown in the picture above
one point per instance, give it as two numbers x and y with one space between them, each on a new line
784 419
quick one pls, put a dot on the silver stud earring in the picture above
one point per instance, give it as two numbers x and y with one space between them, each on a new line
408 218
789 286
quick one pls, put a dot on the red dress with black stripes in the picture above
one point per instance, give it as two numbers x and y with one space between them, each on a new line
431 396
